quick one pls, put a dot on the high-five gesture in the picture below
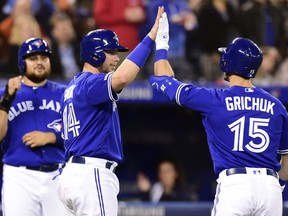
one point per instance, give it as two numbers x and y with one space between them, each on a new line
162 37
153 32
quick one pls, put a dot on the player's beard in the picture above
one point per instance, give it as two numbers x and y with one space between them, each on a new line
37 78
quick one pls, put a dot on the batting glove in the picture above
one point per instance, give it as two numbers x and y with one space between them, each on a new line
162 37
6 100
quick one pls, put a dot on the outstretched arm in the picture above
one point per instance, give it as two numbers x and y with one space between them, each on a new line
162 66
130 67
163 80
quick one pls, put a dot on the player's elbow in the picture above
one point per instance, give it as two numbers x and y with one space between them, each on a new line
119 82
2 135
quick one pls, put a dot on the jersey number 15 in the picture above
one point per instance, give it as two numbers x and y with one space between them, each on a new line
254 132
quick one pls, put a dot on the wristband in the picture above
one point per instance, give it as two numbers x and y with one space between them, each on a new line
140 54
161 54
6 100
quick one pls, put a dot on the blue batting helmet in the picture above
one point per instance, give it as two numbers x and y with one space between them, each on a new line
242 57
95 43
31 46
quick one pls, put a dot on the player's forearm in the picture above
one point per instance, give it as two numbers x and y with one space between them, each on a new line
162 67
3 123
51 138
123 77
130 67
283 173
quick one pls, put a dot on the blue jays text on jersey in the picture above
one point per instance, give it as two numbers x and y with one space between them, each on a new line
91 124
244 126
28 105
34 109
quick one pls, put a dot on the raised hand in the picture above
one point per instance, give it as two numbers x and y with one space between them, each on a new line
162 37
153 32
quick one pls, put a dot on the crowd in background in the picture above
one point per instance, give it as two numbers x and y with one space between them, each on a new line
198 29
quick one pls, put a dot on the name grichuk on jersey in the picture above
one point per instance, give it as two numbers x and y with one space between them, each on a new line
244 126
34 108
88 129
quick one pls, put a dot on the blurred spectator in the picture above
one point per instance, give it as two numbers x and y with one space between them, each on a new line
65 6
182 19
170 185
5 23
83 17
9 11
24 26
65 61
281 74
123 17
218 21
263 22
192 41
266 72
80 13
41 10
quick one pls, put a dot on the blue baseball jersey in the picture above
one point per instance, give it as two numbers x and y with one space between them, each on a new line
34 109
245 127
91 124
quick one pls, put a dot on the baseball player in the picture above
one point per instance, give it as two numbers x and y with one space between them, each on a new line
30 123
245 128
91 128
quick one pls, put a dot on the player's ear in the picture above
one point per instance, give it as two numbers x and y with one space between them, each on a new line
95 58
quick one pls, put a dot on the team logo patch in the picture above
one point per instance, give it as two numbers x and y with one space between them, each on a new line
37 43
249 89
55 125
116 39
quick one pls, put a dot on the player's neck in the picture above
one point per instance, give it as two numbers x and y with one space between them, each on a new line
89 68
239 81
28 82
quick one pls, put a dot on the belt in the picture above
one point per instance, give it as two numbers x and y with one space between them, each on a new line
43 168
248 170
82 160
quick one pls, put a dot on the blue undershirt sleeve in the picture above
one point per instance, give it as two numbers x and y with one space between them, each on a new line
168 86
140 54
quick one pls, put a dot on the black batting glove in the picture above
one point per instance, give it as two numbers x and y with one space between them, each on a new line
6 100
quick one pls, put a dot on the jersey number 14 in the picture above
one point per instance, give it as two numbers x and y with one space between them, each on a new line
70 123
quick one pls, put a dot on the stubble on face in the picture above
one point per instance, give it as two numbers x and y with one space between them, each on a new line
38 72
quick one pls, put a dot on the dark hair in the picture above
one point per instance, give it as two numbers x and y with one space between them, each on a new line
180 180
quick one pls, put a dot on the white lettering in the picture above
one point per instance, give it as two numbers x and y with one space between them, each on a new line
249 103
69 92
20 108
229 105
52 105
25 106
237 103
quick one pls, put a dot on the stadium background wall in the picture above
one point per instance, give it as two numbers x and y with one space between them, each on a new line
153 127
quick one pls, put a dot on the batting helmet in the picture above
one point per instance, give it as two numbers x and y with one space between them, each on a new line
95 43
31 46
242 57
